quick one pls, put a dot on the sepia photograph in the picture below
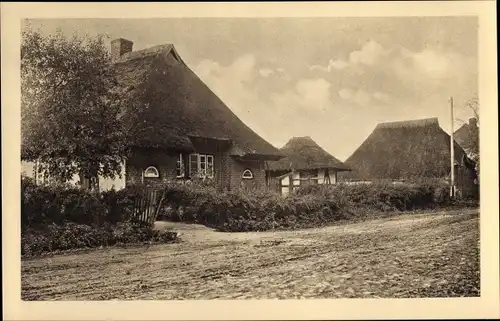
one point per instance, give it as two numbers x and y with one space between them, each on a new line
241 158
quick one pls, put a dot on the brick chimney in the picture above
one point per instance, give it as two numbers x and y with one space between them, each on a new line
120 47
473 122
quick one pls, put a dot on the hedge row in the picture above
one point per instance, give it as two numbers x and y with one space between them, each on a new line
242 210
307 207
68 236
62 217
59 204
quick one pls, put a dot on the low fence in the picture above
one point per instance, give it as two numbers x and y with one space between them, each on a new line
147 206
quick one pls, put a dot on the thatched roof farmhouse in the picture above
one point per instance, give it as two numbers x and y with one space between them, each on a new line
178 128
408 150
305 162
303 153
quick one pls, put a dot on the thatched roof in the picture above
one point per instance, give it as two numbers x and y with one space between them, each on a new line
407 149
304 153
464 136
167 104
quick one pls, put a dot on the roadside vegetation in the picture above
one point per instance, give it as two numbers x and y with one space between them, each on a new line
57 218
61 217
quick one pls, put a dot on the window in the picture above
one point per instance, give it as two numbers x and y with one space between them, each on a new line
193 165
247 174
180 167
151 171
201 165
210 166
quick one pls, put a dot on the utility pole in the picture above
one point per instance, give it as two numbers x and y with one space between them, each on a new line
452 153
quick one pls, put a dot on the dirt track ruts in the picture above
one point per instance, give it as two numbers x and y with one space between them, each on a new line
407 256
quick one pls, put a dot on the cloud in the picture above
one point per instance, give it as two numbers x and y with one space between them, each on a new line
359 96
266 72
397 75
332 64
382 96
278 73
432 63
428 64
368 54
365 88
345 93
308 95
232 83
207 68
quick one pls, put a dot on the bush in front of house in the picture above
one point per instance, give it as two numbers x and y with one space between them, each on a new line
316 205
110 215
42 205
249 210
69 236
63 217
47 204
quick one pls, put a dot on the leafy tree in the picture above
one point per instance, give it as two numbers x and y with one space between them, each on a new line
70 106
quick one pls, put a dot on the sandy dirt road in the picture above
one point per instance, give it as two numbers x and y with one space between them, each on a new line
419 255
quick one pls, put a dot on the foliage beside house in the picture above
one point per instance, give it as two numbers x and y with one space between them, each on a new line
411 150
59 217
308 206
69 107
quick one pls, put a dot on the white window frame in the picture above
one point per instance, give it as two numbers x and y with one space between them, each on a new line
190 160
180 167
209 170
245 174
204 165
154 175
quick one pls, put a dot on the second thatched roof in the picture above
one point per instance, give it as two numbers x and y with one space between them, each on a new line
303 153
402 150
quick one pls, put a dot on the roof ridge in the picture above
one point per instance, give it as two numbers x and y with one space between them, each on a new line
409 123
305 153
146 52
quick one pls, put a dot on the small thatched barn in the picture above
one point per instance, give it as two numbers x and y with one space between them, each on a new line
179 129
412 149
305 163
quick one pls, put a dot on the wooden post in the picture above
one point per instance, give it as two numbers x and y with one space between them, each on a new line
452 153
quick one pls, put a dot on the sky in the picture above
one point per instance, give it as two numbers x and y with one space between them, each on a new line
333 79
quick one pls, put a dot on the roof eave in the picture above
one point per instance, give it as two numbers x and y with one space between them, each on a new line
258 156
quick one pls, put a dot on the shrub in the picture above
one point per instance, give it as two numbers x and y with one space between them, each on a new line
239 210
47 204
43 205
69 236
315 205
